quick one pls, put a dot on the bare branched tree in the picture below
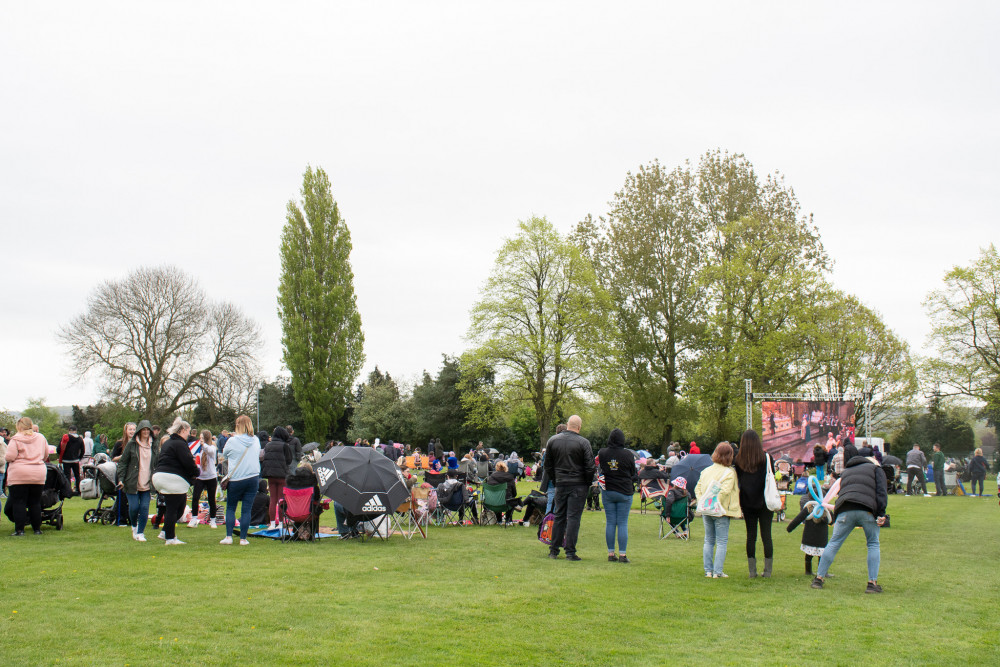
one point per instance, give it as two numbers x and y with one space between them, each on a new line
158 343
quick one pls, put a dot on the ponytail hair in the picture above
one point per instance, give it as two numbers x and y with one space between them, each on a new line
178 425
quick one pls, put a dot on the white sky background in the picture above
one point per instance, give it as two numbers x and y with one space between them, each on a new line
132 133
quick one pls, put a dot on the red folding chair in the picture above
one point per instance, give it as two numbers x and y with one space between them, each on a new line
298 514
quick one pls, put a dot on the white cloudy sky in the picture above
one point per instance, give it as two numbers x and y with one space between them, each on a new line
176 132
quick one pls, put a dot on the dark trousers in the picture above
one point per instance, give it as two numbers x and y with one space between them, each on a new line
917 473
471 506
568 510
175 503
24 501
939 487
74 469
977 478
759 517
594 499
208 485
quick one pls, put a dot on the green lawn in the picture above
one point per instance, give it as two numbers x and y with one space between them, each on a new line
488 595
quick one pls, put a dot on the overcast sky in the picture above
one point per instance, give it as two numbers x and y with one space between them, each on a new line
134 133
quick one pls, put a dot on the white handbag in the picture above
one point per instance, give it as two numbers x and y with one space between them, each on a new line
771 496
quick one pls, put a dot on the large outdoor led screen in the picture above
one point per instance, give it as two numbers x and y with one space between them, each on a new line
794 428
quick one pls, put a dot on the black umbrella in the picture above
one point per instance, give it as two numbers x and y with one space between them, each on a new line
690 468
635 454
362 480
309 446
891 460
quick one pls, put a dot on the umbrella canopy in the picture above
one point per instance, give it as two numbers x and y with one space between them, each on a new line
361 479
309 446
891 460
492 450
690 468
644 453
635 454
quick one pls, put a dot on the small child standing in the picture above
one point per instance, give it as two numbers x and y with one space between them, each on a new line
815 532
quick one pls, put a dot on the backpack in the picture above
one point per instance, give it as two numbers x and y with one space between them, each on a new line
545 529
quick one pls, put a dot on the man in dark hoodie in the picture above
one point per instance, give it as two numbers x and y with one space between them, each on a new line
617 466
70 457
861 502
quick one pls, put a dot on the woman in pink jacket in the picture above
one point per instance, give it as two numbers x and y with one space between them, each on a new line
25 458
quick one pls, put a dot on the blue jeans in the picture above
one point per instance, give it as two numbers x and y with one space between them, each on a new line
616 509
551 493
138 509
240 491
717 540
341 514
842 527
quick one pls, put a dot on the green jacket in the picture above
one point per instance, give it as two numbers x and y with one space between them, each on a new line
128 464
938 461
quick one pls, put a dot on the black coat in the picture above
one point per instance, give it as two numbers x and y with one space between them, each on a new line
175 458
277 458
813 534
569 460
752 486
862 486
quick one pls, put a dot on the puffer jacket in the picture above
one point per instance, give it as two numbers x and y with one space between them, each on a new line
277 458
862 486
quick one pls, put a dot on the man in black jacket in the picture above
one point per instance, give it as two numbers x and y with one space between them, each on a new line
862 502
71 456
569 462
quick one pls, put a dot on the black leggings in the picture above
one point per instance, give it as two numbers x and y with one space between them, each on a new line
208 485
979 479
175 508
24 501
763 517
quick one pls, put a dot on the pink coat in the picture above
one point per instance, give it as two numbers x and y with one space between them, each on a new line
26 455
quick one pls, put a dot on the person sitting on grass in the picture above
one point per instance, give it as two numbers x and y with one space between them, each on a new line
501 476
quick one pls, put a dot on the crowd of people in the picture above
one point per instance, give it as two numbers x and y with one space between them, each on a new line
253 469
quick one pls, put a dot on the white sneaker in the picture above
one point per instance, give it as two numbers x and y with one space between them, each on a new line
162 535
135 530
140 537
927 495
174 541
212 524
226 540
244 543
272 526
193 523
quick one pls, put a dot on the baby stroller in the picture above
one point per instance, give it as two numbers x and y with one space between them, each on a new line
104 473
56 490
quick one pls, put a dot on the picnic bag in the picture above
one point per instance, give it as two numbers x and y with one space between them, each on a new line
708 503
771 497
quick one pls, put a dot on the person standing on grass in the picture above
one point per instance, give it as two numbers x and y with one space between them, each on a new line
940 488
719 479
207 480
135 473
916 463
752 470
861 502
175 470
569 462
26 454
242 456
274 467
617 465
977 471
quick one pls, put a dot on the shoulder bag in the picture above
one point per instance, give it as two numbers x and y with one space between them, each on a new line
224 482
771 496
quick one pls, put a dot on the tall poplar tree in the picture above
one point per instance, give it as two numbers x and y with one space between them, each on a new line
321 328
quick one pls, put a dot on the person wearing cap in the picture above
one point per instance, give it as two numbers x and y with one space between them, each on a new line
678 491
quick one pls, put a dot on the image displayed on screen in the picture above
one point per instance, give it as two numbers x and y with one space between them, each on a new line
794 428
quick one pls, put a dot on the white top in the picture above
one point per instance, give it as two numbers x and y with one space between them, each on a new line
88 445
208 457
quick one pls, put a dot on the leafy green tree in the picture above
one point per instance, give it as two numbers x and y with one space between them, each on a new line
649 254
537 318
278 406
438 410
965 331
49 423
381 410
321 328
7 421
946 425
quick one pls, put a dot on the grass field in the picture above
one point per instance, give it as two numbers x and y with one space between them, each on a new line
488 595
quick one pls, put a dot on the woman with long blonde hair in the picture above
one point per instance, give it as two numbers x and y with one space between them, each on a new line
242 454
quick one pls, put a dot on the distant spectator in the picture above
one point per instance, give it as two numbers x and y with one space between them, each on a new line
977 471
939 486
694 449
916 463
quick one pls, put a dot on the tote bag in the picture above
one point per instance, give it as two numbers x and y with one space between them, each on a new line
708 504
771 497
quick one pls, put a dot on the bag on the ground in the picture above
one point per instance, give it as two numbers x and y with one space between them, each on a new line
771 496
801 486
708 504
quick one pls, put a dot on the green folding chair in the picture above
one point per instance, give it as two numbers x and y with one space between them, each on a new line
494 499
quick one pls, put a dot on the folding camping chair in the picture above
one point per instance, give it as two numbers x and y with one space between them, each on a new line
406 520
677 519
649 491
298 515
494 503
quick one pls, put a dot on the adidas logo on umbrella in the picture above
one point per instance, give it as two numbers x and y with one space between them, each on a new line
324 475
374 504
